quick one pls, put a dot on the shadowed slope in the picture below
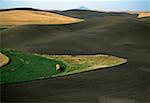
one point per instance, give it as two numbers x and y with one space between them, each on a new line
82 37
87 14
145 19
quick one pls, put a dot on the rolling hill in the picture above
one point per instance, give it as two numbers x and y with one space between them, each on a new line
145 19
29 16
84 37
141 14
91 14
123 36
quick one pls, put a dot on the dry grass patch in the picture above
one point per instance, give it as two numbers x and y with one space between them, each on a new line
81 63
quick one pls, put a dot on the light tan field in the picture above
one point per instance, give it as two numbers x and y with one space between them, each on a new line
3 60
21 17
141 14
144 14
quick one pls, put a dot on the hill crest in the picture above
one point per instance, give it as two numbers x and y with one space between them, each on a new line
33 16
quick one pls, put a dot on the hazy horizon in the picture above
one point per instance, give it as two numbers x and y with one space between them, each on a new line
102 5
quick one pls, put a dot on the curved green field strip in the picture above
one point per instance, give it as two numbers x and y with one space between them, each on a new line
25 67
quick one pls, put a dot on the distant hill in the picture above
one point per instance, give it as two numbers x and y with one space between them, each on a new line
82 8
33 16
90 14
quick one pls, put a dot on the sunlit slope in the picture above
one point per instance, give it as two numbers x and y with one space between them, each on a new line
3 59
140 13
20 17
144 14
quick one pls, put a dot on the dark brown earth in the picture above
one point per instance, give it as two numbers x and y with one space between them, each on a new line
122 36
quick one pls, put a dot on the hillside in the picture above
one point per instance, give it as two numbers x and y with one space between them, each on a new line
144 14
145 19
141 14
121 36
85 37
91 14
21 17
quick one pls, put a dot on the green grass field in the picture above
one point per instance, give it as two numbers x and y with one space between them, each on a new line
26 67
